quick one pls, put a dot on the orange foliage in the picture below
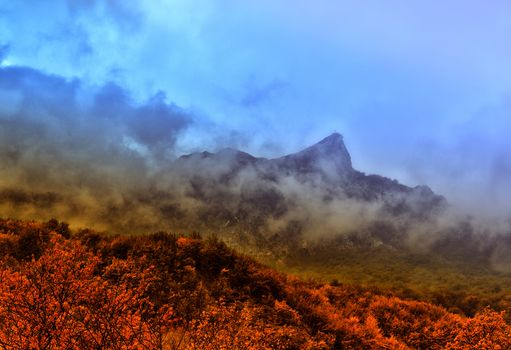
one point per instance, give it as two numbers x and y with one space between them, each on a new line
487 330
88 291
58 301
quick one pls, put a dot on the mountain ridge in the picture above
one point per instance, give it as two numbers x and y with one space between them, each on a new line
312 192
328 159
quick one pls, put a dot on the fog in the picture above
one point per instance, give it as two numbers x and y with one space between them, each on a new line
93 157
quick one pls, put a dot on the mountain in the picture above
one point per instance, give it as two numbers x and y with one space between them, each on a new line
323 172
329 158
296 197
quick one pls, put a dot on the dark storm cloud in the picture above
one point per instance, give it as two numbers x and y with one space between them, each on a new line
156 124
63 112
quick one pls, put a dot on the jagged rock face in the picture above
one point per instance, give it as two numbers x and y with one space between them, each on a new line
329 158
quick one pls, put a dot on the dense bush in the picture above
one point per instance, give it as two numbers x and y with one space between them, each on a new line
161 291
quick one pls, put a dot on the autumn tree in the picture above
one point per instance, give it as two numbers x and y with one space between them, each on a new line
60 301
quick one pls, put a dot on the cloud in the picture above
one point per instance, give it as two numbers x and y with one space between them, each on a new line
91 146
157 124
67 113
471 166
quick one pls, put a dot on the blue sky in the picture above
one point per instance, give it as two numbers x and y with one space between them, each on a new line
421 91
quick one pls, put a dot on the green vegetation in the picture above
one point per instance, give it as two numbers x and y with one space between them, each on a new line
460 286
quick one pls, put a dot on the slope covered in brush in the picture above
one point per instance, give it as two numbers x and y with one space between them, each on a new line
86 290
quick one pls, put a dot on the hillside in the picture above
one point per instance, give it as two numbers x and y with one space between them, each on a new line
309 214
64 289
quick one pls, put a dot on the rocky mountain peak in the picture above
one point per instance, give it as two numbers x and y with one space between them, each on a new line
332 147
329 156
334 140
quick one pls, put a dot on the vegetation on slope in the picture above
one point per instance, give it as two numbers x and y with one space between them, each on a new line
85 290
461 287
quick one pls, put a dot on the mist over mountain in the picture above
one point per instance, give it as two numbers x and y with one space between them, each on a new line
315 191
318 179
95 157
